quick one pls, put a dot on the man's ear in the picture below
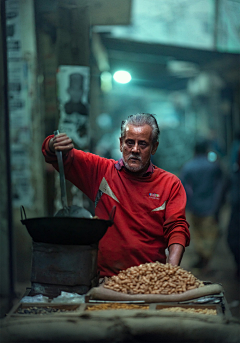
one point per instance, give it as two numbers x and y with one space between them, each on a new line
121 144
154 149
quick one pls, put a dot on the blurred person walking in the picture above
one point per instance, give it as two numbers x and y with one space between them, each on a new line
203 181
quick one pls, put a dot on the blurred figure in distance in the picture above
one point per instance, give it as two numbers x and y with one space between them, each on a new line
202 180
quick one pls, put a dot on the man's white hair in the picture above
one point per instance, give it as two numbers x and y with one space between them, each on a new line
141 119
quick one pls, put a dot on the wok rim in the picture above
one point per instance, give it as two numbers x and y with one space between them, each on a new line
42 230
102 221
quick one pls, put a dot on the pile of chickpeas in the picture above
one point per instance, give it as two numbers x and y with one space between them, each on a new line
191 310
153 278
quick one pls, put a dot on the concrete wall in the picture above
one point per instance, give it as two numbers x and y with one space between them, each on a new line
22 240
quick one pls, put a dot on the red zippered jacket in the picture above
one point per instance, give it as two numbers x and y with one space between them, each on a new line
150 210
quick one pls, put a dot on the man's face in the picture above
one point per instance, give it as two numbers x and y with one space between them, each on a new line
137 148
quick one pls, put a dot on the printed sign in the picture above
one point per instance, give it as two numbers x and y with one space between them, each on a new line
73 90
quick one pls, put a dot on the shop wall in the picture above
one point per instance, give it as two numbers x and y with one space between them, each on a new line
26 125
5 219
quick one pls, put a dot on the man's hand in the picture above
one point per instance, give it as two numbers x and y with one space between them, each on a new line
61 142
175 254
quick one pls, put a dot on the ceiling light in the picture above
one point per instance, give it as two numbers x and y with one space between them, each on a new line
122 76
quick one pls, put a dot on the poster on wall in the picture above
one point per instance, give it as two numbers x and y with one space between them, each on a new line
73 93
19 110
13 29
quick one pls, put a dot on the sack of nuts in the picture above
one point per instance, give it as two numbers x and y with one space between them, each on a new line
153 282
153 278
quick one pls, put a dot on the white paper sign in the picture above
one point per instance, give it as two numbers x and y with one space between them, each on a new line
73 90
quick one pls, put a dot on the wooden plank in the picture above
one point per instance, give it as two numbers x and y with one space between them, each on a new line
73 36
110 12
102 12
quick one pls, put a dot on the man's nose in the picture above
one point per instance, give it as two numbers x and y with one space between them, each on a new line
135 148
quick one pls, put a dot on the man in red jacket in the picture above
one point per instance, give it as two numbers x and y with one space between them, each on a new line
150 202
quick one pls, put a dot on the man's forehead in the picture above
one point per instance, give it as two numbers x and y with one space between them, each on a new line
136 129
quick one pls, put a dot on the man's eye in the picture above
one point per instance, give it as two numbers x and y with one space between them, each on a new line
130 143
142 144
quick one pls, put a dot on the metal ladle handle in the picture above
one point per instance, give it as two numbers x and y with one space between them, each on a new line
62 176
23 213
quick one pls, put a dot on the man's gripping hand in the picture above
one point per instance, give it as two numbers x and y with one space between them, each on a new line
61 142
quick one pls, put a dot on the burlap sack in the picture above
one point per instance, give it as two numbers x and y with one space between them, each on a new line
101 293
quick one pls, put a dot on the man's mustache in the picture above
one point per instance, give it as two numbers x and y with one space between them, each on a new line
136 157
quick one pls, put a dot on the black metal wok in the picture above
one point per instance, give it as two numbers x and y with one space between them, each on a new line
66 230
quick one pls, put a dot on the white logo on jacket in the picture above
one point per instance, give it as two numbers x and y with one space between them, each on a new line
162 207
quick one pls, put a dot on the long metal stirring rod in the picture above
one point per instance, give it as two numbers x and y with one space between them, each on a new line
62 176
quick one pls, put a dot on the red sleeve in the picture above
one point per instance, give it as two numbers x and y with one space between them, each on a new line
50 157
84 170
175 226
